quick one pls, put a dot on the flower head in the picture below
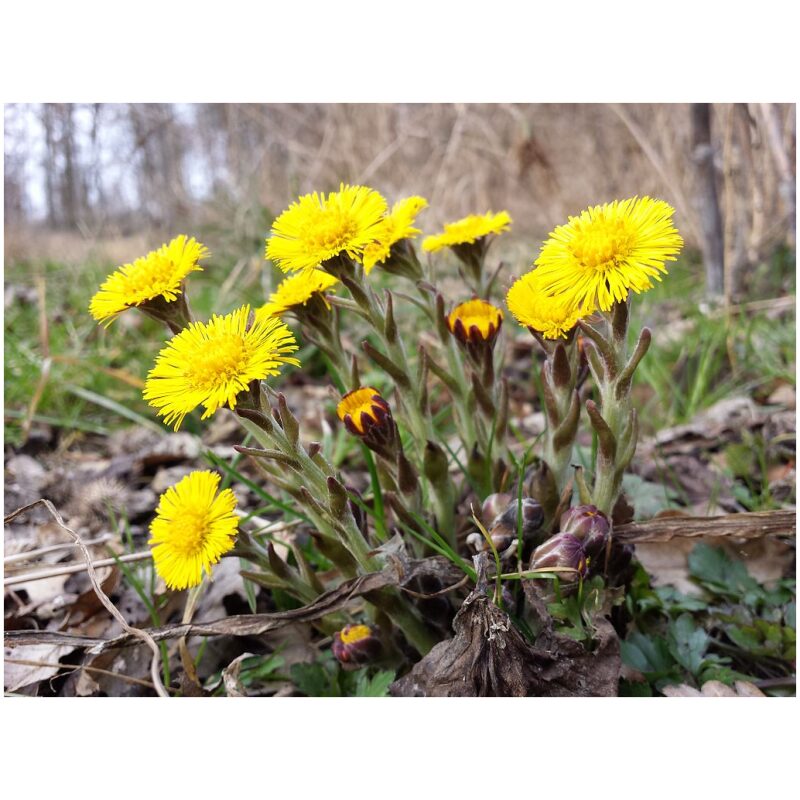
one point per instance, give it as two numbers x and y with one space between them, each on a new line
158 275
209 364
294 291
475 321
193 528
367 415
533 308
317 228
468 230
396 226
606 251
355 645
363 409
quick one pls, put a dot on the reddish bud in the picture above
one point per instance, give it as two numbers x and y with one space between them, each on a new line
355 645
588 524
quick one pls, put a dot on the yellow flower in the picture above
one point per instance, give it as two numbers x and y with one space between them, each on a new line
193 528
159 274
296 290
363 411
475 321
598 256
397 225
468 230
316 228
533 308
208 364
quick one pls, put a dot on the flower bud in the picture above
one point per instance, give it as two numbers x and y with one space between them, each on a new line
561 550
588 524
355 645
502 539
475 324
493 506
504 526
367 415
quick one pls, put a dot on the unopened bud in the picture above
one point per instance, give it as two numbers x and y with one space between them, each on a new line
355 645
564 551
506 522
475 321
588 524
493 506
367 415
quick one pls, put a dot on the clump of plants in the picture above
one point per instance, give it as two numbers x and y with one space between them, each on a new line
469 560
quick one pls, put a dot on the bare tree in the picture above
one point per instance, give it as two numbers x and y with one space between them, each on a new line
706 199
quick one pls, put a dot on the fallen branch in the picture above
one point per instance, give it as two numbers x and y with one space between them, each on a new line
744 526
398 574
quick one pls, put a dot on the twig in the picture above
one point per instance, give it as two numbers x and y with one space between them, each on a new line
71 569
744 526
25 662
27 555
447 589
101 595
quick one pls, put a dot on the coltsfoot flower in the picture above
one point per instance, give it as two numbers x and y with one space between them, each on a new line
475 322
317 228
296 291
531 307
396 226
367 415
355 645
193 528
607 251
209 364
149 282
468 230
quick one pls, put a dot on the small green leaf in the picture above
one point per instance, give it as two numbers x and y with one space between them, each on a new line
313 680
687 643
648 654
720 573
377 686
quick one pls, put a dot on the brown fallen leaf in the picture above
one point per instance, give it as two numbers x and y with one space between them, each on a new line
230 677
488 657
16 675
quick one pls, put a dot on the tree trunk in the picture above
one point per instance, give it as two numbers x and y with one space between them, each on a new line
706 199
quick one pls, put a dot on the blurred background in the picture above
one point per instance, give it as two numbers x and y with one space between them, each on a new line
91 186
